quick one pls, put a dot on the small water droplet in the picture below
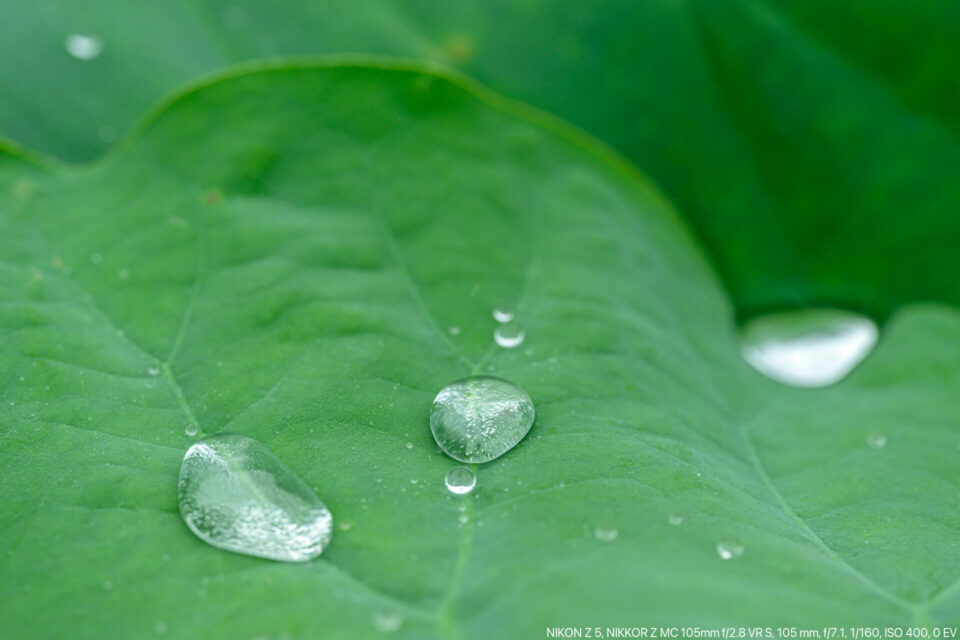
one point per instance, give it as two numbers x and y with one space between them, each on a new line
387 621
108 585
123 274
409 445
454 331
346 525
811 348
509 335
463 518
160 627
676 521
503 314
729 549
96 258
190 430
461 480
877 440
605 535
481 418
236 495
153 370
83 47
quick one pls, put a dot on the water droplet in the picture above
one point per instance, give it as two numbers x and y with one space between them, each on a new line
153 370
877 440
676 521
83 47
191 430
503 314
409 445
461 480
346 525
729 549
160 627
96 258
605 535
387 621
123 274
454 331
813 348
463 518
481 418
236 495
509 335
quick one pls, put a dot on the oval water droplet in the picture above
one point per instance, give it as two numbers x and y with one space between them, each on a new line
461 480
191 430
83 47
503 314
729 549
454 330
481 418
676 521
153 370
812 348
877 440
509 335
605 535
236 495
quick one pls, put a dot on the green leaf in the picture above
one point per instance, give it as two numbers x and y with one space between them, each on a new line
289 246
812 145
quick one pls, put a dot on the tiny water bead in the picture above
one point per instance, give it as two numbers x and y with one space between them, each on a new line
153 370
236 495
509 335
481 418
387 622
675 521
83 47
605 535
503 314
191 430
811 348
461 480
877 440
729 549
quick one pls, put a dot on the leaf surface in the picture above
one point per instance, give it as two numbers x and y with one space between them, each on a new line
288 247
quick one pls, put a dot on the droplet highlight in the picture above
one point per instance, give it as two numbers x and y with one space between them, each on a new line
509 335
387 622
83 47
812 348
729 549
675 521
236 495
460 480
503 314
605 535
481 418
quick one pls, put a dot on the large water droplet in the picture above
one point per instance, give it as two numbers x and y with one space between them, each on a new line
813 348
729 549
509 335
236 495
481 418
83 47
461 480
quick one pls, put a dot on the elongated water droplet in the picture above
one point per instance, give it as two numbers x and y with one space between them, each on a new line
509 335
877 440
236 495
605 535
461 480
481 418
813 348
676 521
729 549
503 314
83 47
